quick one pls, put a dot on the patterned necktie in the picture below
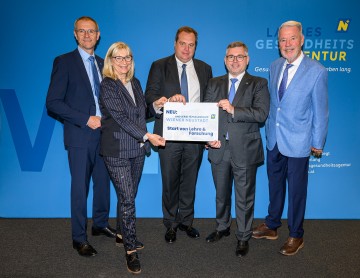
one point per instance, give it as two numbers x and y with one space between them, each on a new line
95 76
232 89
184 83
283 83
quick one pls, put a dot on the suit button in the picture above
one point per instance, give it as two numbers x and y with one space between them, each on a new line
278 109
277 124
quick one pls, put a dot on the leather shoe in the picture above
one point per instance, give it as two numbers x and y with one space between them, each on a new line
217 235
119 242
133 263
292 246
170 235
107 231
84 248
242 248
263 231
190 231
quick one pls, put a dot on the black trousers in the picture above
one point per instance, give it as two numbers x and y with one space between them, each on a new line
180 163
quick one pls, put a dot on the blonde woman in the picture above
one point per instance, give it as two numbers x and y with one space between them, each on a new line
124 141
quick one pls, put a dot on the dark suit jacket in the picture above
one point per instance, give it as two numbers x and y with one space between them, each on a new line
163 80
123 124
70 97
251 104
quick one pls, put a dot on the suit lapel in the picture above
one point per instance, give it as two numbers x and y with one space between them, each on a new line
224 87
99 63
200 77
245 81
125 93
275 81
298 74
139 97
80 65
172 72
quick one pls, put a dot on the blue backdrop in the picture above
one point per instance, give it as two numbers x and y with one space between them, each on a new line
34 175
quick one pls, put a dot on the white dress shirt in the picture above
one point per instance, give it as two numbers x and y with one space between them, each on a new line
193 81
291 71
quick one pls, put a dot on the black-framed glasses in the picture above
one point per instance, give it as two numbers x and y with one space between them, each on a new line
119 59
88 31
239 58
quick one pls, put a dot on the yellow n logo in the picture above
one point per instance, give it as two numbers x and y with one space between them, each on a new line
343 25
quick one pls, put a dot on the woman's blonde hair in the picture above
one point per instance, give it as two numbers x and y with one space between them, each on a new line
108 70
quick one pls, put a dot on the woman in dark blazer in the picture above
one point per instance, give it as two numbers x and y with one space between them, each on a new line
124 141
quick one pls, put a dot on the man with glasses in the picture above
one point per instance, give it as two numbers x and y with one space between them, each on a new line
243 101
73 99
178 78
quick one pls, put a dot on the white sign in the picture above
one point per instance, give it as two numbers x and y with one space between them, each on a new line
190 122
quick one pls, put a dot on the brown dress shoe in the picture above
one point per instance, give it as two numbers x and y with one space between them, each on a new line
263 231
292 246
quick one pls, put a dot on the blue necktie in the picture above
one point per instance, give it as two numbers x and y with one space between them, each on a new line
95 76
184 83
283 83
232 89
231 96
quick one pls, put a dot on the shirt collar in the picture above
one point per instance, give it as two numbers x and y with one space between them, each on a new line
84 55
239 77
298 60
179 63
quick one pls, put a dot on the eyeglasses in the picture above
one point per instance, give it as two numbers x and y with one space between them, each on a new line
90 32
232 58
120 58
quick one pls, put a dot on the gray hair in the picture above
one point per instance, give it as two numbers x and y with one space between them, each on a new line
291 23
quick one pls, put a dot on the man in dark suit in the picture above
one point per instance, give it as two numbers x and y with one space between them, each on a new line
244 104
73 99
180 161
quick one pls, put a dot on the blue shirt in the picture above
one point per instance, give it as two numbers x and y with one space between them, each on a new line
85 57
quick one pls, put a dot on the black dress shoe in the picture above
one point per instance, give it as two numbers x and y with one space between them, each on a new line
190 231
133 263
84 248
217 235
242 248
119 242
107 231
170 235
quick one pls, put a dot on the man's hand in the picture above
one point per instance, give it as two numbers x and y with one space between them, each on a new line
215 144
316 152
160 103
226 105
178 98
94 122
155 139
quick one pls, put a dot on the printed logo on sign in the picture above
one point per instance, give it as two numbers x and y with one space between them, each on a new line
212 116
343 25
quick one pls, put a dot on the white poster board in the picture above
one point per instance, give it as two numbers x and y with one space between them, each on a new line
190 122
